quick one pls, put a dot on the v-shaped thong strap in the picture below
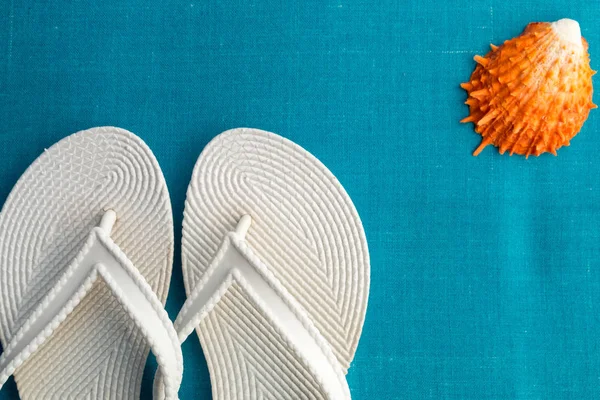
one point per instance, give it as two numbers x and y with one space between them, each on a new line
101 258
236 262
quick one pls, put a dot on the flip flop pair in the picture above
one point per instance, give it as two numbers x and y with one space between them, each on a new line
275 264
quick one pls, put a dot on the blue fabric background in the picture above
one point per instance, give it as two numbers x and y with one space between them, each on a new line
485 281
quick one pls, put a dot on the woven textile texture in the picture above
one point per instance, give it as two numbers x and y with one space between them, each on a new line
485 272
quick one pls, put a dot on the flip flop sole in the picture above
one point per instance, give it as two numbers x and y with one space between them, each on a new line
305 229
97 352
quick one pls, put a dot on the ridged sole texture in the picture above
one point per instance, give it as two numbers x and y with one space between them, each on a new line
97 352
307 232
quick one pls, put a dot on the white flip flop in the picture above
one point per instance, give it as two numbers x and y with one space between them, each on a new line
86 246
276 270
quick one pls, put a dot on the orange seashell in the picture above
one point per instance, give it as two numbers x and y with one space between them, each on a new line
532 94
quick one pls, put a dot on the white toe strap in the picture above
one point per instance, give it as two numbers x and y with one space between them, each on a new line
235 261
100 257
